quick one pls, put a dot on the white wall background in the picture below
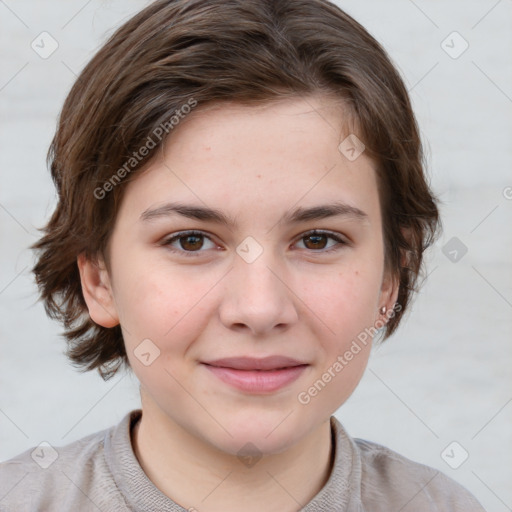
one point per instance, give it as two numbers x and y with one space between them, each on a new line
445 375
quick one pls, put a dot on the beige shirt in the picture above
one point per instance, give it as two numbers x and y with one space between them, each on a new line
101 473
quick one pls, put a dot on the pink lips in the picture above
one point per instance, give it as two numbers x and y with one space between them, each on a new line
257 375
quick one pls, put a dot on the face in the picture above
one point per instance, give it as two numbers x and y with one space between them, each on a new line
254 271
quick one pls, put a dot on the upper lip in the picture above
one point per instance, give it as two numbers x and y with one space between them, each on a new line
254 363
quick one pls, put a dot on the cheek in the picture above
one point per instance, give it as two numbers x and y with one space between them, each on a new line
169 312
350 305
346 305
345 301
163 306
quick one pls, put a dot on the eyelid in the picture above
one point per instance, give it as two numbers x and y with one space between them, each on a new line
166 242
341 240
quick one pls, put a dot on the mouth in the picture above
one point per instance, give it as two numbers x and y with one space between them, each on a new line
256 376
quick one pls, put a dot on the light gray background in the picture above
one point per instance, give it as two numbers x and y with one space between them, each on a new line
444 376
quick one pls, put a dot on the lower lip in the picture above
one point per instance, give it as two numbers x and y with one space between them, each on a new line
257 381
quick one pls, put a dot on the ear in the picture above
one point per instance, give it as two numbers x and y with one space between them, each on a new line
388 292
391 283
97 291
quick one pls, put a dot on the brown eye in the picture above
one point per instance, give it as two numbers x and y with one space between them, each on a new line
191 242
318 241
188 243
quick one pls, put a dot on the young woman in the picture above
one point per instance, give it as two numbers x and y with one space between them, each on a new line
242 208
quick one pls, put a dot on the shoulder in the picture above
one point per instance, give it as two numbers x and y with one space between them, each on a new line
69 477
389 479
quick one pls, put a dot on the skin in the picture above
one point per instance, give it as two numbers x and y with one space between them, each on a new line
254 164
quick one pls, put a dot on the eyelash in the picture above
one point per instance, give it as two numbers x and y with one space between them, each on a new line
314 232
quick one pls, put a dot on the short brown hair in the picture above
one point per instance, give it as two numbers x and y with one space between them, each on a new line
212 51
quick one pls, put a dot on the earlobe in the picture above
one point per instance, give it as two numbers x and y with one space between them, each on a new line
391 283
388 295
97 291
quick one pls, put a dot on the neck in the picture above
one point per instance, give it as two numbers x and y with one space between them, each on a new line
199 477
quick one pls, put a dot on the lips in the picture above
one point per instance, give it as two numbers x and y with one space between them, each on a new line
256 375
252 363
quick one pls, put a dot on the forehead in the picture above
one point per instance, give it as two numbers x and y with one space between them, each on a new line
261 159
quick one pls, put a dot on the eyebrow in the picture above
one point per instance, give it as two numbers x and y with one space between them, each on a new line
300 214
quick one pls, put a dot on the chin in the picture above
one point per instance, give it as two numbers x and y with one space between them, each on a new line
266 433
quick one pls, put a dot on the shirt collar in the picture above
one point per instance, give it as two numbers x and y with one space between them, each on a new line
341 492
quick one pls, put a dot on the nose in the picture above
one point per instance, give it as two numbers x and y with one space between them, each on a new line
258 297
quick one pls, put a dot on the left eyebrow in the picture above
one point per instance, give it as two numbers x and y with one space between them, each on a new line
300 214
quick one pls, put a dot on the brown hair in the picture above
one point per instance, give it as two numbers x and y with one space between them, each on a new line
211 51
